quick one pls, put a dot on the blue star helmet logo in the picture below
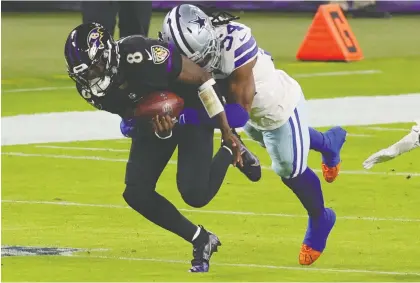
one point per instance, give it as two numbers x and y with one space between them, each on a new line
199 21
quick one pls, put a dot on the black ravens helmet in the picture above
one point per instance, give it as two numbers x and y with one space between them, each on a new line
92 57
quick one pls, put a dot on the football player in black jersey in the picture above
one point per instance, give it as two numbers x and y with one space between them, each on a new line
113 76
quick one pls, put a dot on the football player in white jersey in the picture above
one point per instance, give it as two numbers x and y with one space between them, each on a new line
406 144
276 105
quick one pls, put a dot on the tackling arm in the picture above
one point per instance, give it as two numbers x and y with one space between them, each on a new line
242 85
191 73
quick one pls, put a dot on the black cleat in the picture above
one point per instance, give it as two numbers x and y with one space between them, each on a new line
203 252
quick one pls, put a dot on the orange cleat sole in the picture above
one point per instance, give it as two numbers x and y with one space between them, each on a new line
330 173
307 255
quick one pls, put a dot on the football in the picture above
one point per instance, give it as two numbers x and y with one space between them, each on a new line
159 103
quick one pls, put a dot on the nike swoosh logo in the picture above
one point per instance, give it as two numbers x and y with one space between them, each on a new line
150 55
256 164
242 39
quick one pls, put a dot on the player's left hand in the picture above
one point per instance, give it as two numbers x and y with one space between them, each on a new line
163 125
233 143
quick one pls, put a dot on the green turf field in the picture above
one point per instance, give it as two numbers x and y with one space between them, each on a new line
68 195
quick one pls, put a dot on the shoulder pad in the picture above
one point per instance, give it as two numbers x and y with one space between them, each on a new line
136 49
238 46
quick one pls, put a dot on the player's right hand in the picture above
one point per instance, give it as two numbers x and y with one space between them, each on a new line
234 144
163 125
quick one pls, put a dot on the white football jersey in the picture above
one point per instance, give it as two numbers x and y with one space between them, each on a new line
277 94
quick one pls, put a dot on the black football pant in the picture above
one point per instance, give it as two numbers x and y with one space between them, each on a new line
133 16
199 175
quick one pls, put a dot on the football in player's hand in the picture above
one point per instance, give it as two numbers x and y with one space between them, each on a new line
159 103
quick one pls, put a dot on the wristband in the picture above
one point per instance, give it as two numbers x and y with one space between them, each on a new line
209 98
163 138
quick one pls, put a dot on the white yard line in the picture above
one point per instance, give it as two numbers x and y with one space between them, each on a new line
62 156
83 148
309 75
382 129
37 89
348 135
100 158
339 73
360 135
220 212
300 269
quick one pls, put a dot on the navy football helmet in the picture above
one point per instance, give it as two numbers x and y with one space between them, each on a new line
92 57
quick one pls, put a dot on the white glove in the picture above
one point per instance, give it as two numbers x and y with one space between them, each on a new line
407 143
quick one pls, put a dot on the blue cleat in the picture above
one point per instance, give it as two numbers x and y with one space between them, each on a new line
316 237
203 253
331 160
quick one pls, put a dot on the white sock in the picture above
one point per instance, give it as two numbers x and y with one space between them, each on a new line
196 233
